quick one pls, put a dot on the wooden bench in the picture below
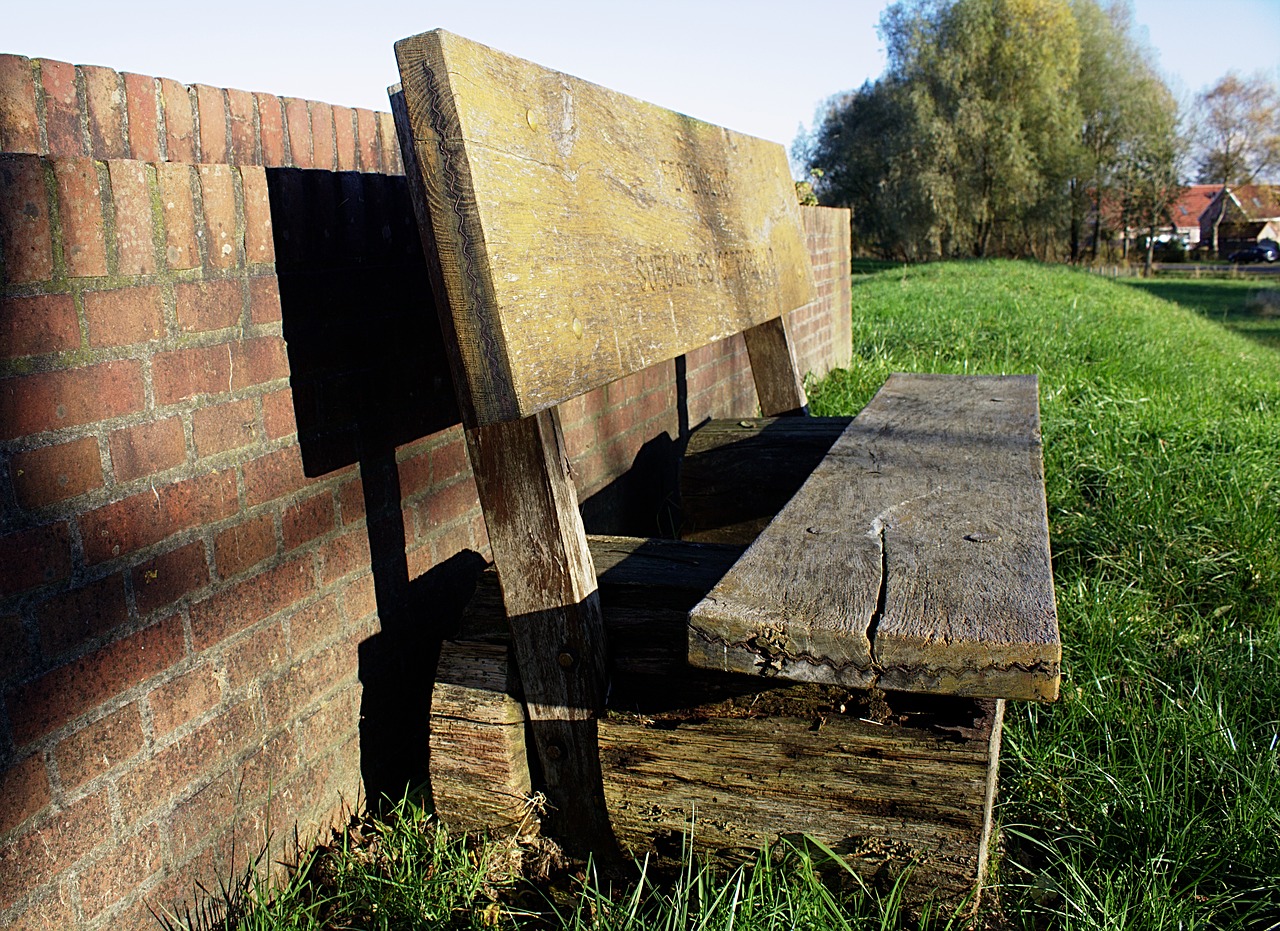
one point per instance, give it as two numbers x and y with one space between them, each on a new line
576 236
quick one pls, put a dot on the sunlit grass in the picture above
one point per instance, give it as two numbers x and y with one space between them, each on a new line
1149 796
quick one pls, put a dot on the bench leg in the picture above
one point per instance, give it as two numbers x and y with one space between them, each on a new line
779 383
549 591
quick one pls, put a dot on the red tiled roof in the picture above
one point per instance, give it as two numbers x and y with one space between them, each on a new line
1185 213
1258 201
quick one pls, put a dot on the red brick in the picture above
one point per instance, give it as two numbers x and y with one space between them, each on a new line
51 909
53 400
213 124
47 703
16 657
322 136
415 474
451 502
277 414
183 698
344 137
367 141
158 512
80 216
25 232
351 502
104 95
122 869
237 548
131 195
85 613
34 557
287 695
391 163
418 558
257 361
62 110
140 101
335 720
274 475
159 582
450 461
255 656
185 373
125 316
315 625
99 746
179 124
179 215
258 244
147 449
347 554
265 770
270 130
207 813
307 519
359 598
208 305
19 129
264 299
33 326
246 603
24 786
224 426
244 149
299 122
38 856
218 191
53 473
187 762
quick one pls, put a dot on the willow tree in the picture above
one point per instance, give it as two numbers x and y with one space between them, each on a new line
998 126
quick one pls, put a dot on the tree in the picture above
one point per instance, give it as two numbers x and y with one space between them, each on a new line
1237 134
1127 114
998 127
1238 130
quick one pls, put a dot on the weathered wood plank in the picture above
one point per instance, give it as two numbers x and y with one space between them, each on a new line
552 604
915 557
737 474
582 234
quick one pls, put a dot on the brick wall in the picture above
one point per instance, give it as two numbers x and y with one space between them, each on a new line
236 513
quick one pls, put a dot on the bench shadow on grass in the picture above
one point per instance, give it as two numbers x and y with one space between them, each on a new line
1250 308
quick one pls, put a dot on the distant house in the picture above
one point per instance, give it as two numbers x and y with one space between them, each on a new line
1185 214
1249 213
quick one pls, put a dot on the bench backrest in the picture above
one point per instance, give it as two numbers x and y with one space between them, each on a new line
582 234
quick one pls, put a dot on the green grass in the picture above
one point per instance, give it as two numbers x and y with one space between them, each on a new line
1149 796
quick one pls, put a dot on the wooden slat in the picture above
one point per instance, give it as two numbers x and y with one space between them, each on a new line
915 557
584 235
737 474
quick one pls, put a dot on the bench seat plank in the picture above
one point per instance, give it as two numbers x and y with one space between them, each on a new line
584 235
915 557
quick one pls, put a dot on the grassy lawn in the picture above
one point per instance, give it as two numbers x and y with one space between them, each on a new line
1149 796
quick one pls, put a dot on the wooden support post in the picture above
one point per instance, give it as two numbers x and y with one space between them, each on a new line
779 383
549 591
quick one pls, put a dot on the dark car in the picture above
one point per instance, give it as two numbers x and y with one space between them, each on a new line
1264 251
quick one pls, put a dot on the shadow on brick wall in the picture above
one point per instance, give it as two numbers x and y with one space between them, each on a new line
368 373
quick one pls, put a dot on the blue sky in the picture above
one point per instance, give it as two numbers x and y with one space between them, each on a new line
758 66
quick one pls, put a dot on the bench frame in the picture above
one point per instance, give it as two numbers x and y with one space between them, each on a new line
740 271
